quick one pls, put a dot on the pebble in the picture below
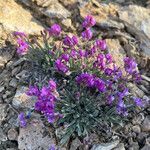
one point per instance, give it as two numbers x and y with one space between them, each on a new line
12 134
146 124
136 129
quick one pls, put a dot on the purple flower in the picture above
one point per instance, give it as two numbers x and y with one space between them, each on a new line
110 99
129 65
74 54
87 34
82 53
109 58
33 91
100 85
101 44
108 71
22 120
74 40
65 57
138 101
60 66
23 47
86 79
21 34
121 108
55 30
52 147
52 85
89 21
68 41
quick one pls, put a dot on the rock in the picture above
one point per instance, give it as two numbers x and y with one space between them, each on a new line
32 137
14 18
16 70
116 51
56 10
144 89
75 144
13 83
134 146
101 13
136 129
146 147
146 124
12 134
3 112
139 19
105 146
120 146
2 88
23 75
3 137
21 100
135 90
137 120
137 16
51 9
44 3
145 78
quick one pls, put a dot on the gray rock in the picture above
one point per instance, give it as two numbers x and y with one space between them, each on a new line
15 18
136 129
56 10
21 100
75 144
146 124
137 16
12 134
135 90
3 112
13 83
3 136
120 146
32 137
134 146
146 147
138 24
105 146
2 88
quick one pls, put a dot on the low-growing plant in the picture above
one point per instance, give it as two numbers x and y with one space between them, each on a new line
95 90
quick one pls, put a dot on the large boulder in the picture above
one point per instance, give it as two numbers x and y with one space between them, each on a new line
15 18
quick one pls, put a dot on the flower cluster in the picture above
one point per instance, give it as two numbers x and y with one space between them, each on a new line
22 44
46 98
93 74
88 22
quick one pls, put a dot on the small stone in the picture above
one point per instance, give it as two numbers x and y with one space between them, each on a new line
146 147
136 129
146 124
32 137
16 70
120 146
135 90
13 83
3 137
3 112
145 78
134 146
75 144
7 94
105 146
2 88
12 134
21 100
24 74
137 120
